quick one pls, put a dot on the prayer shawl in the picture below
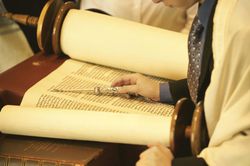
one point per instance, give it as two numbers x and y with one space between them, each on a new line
227 99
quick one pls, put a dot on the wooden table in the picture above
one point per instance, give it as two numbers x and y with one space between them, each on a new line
15 81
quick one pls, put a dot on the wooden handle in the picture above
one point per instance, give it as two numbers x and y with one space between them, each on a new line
21 18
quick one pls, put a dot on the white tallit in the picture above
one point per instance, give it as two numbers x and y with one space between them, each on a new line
227 99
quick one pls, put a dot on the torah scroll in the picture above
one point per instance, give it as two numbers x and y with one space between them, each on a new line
124 44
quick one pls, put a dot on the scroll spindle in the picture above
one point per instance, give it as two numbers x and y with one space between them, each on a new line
22 19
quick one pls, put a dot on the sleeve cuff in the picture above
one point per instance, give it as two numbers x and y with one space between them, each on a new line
165 94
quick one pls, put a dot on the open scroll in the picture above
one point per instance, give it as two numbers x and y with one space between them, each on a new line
46 113
121 46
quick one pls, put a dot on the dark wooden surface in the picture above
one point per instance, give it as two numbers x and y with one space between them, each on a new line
15 81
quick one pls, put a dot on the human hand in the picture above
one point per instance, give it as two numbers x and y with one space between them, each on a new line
138 84
156 156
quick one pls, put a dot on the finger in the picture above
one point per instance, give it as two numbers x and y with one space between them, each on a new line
144 162
123 80
159 146
151 145
138 163
155 144
128 79
162 148
145 153
149 152
128 89
165 150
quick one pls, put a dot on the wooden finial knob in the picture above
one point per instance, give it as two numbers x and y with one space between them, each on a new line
181 120
188 133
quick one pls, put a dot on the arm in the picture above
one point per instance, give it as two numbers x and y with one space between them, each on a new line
169 92
138 84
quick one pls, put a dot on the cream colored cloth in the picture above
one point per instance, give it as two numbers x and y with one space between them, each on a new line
227 99
146 12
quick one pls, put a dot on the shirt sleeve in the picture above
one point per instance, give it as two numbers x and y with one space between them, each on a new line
194 161
165 94
172 91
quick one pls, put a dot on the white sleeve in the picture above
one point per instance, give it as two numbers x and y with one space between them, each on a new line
234 151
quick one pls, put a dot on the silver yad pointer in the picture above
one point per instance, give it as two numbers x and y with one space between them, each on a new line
96 90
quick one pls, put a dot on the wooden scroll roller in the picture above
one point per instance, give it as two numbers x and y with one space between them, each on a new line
188 133
48 24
